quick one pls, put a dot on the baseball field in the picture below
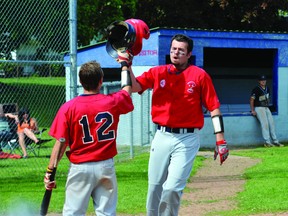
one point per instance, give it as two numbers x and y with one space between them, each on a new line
263 188
262 192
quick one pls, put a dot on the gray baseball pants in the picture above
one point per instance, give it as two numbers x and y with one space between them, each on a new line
93 179
170 164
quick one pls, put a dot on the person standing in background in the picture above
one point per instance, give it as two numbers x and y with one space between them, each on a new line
259 104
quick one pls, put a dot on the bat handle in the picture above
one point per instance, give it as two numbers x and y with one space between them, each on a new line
52 177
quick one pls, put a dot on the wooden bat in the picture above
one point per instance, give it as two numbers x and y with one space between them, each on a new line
47 195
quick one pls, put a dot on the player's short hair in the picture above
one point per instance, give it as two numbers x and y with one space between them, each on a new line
183 38
90 75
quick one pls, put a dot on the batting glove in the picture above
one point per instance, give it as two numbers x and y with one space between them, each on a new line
221 149
49 185
125 58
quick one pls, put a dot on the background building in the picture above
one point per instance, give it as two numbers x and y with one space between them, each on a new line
234 60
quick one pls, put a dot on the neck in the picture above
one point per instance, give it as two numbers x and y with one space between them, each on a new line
91 92
181 67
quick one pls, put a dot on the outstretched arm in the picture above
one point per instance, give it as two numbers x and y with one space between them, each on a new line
125 59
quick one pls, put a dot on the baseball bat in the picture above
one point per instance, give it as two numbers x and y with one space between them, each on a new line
47 195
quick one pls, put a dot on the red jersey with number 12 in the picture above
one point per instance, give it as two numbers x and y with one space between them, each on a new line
89 124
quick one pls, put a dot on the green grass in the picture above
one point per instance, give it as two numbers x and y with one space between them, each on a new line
21 182
266 187
265 190
42 95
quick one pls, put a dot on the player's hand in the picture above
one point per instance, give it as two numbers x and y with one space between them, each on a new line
221 149
125 58
49 185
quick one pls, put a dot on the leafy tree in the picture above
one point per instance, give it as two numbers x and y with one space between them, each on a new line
95 15
260 15
40 21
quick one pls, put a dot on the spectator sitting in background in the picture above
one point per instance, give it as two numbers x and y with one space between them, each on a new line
26 126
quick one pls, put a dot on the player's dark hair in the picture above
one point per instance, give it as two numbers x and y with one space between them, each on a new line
90 75
21 113
183 38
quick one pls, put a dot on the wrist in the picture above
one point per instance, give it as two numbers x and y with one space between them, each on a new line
49 170
221 142
124 64
125 78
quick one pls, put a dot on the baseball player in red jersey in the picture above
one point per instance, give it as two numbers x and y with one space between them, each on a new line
89 125
179 92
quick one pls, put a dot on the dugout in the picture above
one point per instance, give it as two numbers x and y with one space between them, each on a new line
234 60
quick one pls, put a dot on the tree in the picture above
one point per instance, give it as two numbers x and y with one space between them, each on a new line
94 16
40 21
259 15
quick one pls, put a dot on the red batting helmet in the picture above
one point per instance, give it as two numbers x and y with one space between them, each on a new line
126 35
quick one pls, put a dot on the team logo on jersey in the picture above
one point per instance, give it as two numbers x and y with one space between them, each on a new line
162 83
191 85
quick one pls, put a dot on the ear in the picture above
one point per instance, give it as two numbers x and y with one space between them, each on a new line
100 83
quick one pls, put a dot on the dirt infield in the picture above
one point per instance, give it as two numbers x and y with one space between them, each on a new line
214 186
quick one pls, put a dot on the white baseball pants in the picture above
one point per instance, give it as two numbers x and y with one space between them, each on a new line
170 164
93 179
267 124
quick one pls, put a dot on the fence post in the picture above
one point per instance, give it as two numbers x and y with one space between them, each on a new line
73 47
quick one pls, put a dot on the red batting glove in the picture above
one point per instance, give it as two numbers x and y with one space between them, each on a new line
221 149
49 185
125 58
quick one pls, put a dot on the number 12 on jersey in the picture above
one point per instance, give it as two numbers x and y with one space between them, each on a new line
103 133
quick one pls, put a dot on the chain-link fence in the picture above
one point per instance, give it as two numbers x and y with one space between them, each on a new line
34 36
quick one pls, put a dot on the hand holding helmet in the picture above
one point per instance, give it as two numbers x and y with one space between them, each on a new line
126 36
125 58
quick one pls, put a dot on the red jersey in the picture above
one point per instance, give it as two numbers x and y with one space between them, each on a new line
89 124
178 96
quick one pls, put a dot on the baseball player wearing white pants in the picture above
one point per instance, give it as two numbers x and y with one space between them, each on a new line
171 159
89 124
267 124
259 104
180 90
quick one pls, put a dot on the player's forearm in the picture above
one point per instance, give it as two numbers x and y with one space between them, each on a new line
55 153
218 124
126 83
252 105
215 112
136 87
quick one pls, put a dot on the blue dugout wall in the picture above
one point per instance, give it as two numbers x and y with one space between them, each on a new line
233 83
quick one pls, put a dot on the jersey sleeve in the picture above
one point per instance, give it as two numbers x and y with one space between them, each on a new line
123 101
146 80
253 94
59 127
208 94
